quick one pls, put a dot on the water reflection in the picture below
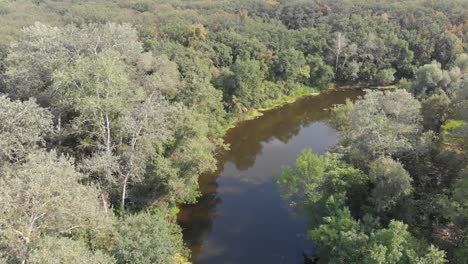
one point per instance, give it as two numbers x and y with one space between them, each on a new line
240 217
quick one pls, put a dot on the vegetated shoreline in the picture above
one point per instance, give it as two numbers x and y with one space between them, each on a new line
299 94
273 104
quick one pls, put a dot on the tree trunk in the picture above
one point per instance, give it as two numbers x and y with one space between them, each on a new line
105 200
108 134
124 192
59 128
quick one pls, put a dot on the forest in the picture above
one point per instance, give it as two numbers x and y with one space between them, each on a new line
110 111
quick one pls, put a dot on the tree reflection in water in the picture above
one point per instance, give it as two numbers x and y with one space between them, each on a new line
240 217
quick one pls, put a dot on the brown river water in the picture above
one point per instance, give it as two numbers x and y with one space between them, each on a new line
241 217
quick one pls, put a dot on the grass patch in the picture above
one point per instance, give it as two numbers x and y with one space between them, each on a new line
448 137
296 94
369 87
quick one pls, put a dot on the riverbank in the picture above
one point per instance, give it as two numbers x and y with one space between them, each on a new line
297 94
273 104
231 221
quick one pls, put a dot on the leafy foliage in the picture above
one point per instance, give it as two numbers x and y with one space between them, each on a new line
44 197
148 238
122 104
23 126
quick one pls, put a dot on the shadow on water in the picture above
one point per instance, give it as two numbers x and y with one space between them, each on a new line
241 217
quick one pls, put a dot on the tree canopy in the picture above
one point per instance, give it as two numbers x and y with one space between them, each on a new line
111 110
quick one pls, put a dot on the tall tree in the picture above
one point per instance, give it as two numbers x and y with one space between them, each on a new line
342 51
100 90
379 124
391 183
44 197
148 238
23 127
43 49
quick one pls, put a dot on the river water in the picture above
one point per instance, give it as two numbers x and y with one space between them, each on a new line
241 217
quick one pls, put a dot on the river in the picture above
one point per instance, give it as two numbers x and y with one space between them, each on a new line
241 217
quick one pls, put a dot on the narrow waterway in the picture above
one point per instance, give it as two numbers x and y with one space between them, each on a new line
241 217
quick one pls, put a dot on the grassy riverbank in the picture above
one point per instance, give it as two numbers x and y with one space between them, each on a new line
297 94
251 114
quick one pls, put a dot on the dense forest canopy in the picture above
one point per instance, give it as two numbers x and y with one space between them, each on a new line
111 110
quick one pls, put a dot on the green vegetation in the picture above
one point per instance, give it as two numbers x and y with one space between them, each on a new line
270 104
387 193
449 135
111 110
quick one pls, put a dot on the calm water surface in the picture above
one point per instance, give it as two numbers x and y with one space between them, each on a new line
241 217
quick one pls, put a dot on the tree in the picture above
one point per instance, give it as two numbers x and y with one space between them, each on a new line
342 239
149 123
388 245
391 183
32 60
249 77
338 228
176 175
149 238
65 250
435 110
379 124
462 62
396 245
197 34
298 14
44 197
455 208
320 74
447 48
291 66
306 178
157 74
23 127
429 78
342 51
121 126
317 177
385 76
43 49
99 89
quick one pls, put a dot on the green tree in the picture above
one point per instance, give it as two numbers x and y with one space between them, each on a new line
429 78
379 124
385 76
65 250
391 183
435 110
306 178
320 74
462 62
23 127
44 197
342 239
149 238
315 177
291 66
447 48
100 90
249 76
191 154
144 126
338 228
342 52
43 49
157 74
